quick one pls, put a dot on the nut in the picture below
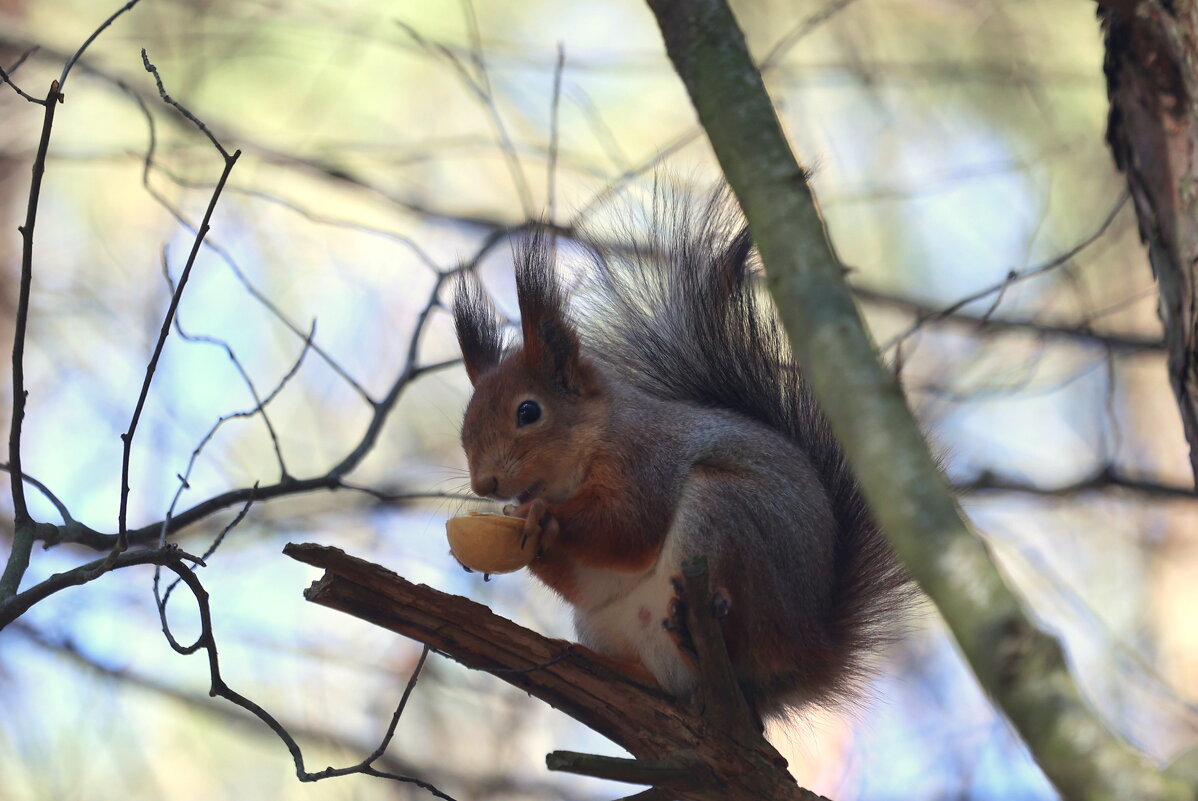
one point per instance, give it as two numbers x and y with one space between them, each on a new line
490 543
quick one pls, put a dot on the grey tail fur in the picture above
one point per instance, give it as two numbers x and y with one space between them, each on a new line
680 317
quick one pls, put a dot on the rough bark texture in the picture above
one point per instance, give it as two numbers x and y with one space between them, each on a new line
1152 76
1022 668
715 753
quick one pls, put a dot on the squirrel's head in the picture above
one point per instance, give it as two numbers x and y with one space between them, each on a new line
538 410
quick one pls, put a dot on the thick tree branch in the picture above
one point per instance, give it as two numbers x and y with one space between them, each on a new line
663 735
1023 669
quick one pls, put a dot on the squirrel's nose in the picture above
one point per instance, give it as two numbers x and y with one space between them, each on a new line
485 485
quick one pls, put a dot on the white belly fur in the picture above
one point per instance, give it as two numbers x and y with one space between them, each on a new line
621 615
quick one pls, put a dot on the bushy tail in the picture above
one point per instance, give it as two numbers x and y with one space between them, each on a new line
679 315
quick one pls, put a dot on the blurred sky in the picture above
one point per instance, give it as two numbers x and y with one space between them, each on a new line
951 142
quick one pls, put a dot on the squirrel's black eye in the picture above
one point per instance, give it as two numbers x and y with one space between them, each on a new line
527 412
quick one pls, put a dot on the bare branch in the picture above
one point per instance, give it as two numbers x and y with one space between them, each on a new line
24 530
479 84
148 164
170 101
232 524
127 438
1106 478
796 34
1015 276
485 786
1079 332
13 607
5 77
206 641
54 500
259 408
331 480
62 79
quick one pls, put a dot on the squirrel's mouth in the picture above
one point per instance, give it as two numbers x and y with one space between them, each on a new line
527 495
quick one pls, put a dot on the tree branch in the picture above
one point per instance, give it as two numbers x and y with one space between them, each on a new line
1023 669
1107 477
24 529
1080 332
230 161
13 607
660 732
485 786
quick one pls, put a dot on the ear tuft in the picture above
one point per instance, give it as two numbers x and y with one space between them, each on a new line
479 333
551 345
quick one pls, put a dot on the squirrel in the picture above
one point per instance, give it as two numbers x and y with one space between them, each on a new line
667 421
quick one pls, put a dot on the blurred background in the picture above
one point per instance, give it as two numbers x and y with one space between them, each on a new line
959 157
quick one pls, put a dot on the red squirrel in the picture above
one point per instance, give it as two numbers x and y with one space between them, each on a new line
667 421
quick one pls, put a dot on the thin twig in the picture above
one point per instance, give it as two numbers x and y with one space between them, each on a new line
374 755
148 164
493 785
801 30
170 101
559 67
16 65
1105 478
309 215
203 557
259 405
62 79
6 76
480 86
333 479
15 606
47 494
206 640
1015 276
127 438
1079 332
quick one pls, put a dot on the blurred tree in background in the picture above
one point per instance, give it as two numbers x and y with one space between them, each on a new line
961 164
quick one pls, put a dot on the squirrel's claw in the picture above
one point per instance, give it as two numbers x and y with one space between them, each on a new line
675 623
538 522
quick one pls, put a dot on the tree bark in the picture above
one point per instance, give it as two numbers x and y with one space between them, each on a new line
707 754
1152 78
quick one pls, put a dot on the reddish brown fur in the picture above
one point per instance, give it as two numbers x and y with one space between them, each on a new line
691 433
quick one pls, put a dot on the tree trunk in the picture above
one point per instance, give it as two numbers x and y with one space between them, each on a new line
1152 81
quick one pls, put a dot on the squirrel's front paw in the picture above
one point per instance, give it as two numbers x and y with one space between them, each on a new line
539 524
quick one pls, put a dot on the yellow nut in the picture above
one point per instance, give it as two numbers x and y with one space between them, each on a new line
490 543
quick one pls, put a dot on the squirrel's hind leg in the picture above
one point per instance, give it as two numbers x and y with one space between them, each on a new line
676 626
675 620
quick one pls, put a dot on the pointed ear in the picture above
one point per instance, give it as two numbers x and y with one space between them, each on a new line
552 348
478 328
